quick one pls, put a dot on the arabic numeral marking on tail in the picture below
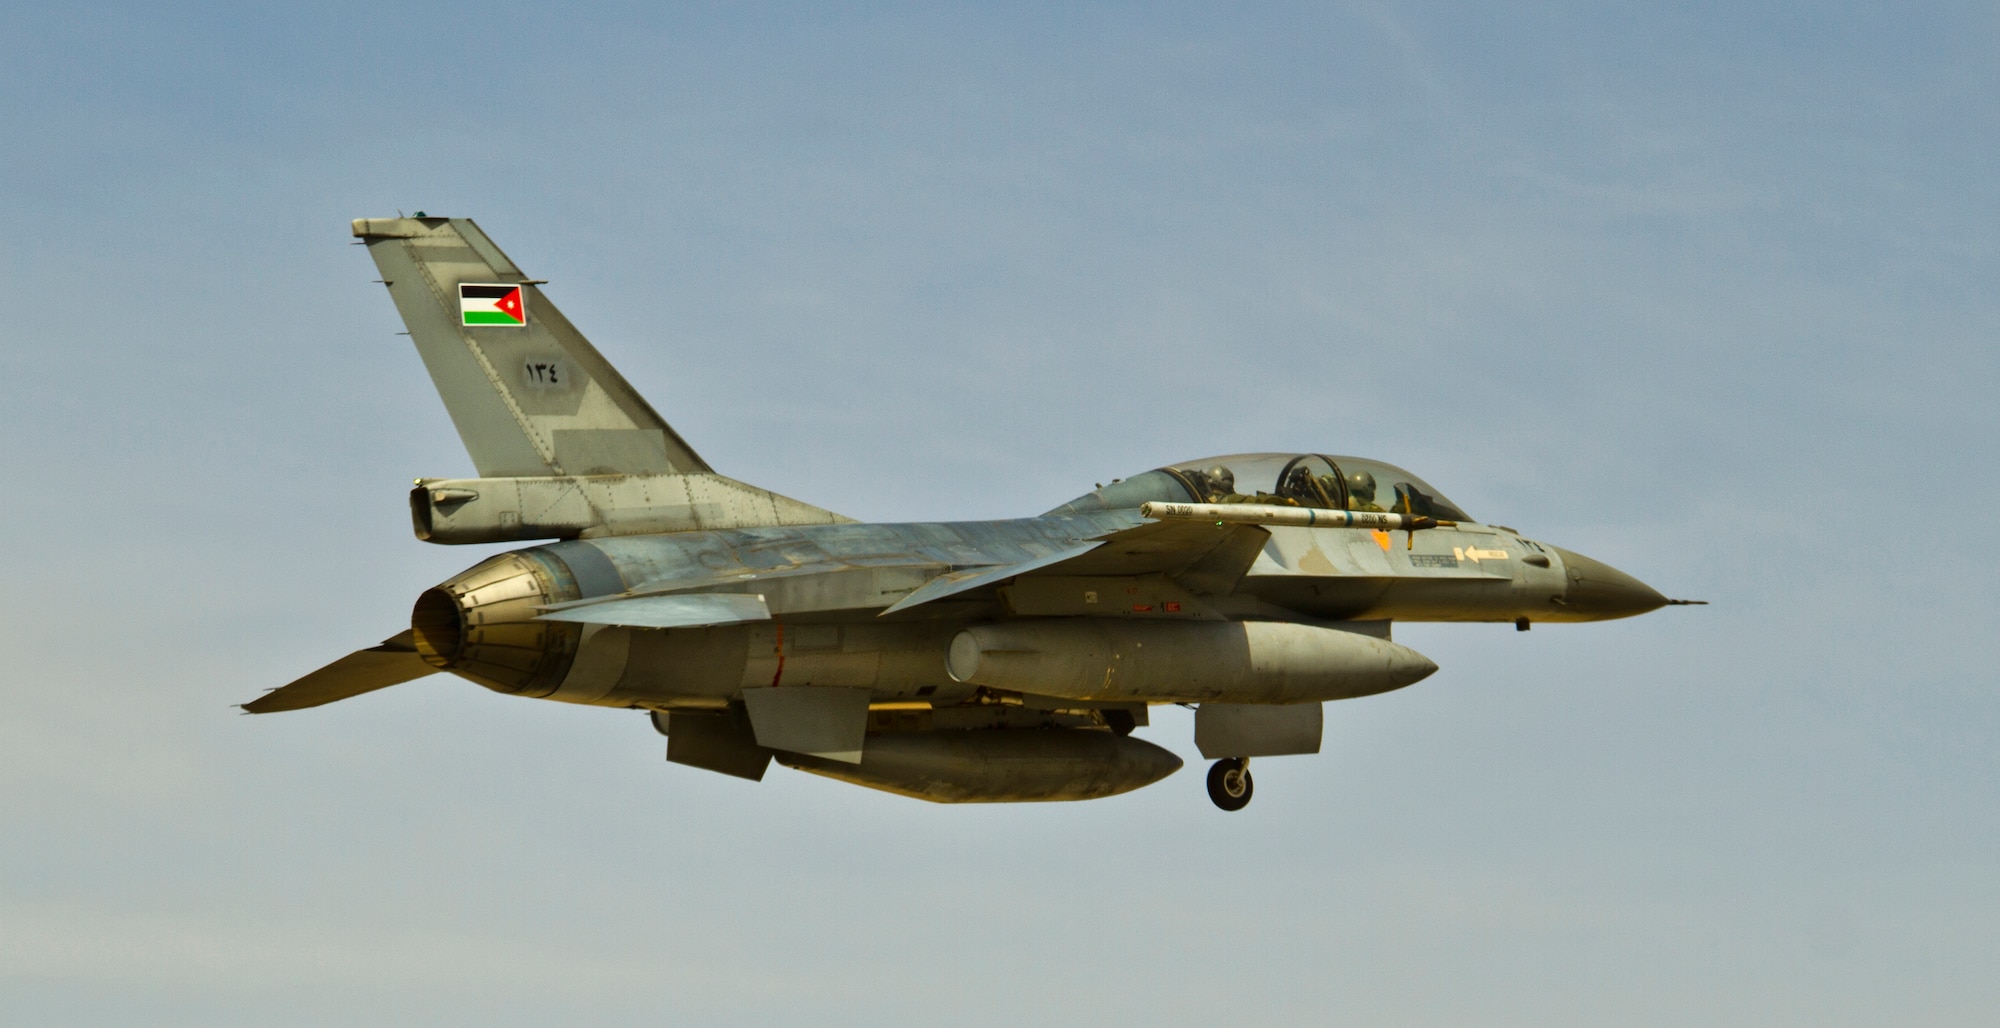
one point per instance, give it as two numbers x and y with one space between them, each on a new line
544 373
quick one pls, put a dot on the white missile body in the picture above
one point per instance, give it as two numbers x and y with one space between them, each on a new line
1274 514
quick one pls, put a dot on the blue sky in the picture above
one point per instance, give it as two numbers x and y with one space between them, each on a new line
1703 292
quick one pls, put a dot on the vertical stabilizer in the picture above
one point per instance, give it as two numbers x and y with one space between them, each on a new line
529 395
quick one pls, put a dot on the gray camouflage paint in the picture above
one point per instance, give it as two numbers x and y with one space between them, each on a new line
753 625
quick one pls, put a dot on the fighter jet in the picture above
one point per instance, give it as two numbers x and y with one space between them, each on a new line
974 661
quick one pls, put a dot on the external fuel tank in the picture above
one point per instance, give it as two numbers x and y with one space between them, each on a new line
1102 659
1003 765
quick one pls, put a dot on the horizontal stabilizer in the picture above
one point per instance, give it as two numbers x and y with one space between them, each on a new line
378 667
686 610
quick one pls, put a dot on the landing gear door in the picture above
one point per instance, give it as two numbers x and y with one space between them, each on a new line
1257 729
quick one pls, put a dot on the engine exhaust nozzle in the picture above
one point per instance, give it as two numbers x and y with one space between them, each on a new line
481 625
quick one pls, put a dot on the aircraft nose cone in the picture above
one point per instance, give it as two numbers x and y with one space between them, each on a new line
1601 592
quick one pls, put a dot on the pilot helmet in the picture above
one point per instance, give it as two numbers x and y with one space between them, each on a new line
1361 486
1221 480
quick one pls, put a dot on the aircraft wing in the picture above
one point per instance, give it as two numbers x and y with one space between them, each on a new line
1204 557
964 581
378 667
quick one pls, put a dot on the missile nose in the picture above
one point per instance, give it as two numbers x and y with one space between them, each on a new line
1600 592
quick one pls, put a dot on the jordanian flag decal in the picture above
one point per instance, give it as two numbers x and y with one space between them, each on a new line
491 305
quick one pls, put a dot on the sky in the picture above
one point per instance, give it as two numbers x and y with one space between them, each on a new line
1704 291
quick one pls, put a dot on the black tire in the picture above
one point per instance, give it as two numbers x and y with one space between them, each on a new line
1229 783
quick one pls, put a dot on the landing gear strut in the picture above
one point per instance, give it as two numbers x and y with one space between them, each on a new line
1229 783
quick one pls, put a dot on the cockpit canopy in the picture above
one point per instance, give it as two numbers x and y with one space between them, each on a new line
1289 480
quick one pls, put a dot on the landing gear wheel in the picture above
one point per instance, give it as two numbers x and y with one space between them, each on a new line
1229 783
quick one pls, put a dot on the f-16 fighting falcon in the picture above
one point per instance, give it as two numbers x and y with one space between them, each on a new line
979 661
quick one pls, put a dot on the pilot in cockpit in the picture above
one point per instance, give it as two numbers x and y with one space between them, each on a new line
1220 484
1361 492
